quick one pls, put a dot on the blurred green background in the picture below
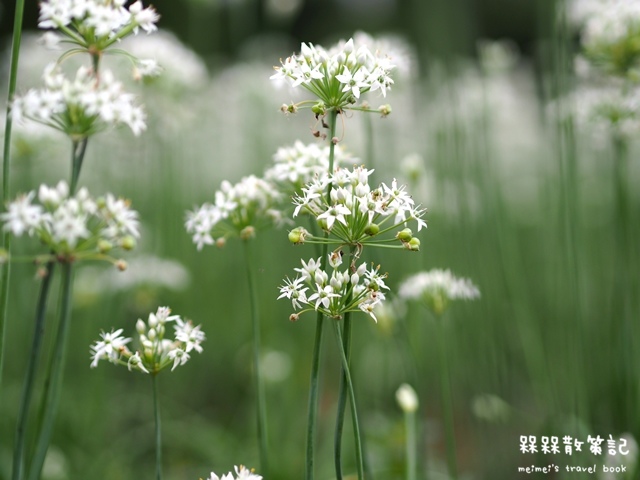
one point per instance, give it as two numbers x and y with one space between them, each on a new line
520 200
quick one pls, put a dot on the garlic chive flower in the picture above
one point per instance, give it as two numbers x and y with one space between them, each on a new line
239 210
80 107
241 473
296 165
407 398
339 76
337 292
436 288
358 214
155 352
95 25
73 227
611 36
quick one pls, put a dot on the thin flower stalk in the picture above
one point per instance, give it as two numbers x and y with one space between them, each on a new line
447 401
5 268
408 401
314 382
342 398
29 381
261 404
158 426
52 390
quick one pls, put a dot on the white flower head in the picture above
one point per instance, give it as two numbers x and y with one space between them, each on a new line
436 288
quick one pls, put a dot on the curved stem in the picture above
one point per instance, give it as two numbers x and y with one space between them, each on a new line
447 401
6 163
53 382
261 405
312 415
156 414
27 392
352 401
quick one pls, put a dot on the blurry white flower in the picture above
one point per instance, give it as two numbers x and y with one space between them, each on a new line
407 398
241 473
109 348
436 288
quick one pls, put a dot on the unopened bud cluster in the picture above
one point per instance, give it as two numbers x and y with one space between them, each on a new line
155 352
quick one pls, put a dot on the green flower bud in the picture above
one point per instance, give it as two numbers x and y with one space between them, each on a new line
104 246
404 235
319 108
128 243
372 229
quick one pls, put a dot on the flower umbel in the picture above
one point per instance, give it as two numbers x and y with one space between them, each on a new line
436 288
155 352
241 473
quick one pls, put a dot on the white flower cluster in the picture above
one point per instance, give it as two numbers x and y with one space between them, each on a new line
611 21
155 351
70 225
436 288
298 164
242 473
338 76
97 23
238 210
607 108
344 291
82 106
357 213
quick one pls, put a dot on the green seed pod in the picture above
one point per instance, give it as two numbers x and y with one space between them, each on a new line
414 244
404 235
128 243
372 229
104 246
319 108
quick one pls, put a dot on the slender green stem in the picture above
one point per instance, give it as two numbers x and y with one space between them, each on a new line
6 163
317 343
261 404
156 414
412 443
53 382
342 397
447 400
352 402
77 157
27 392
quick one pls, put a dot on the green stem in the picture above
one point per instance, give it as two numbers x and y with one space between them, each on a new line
312 415
6 163
77 156
156 414
411 457
352 401
447 400
53 382
259 386
27 392
342 396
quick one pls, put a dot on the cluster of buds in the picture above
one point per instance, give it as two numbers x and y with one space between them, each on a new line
337 77
241 473
239 210
351 290
355 213
80 107
73 226
155 351
437 288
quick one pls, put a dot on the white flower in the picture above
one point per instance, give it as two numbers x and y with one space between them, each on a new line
179 357
436 288
407 398
109 347
21 216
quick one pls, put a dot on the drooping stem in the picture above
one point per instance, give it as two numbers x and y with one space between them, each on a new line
312 415
53 381
447 401
6 164
261 405
27 392
156 414
352 401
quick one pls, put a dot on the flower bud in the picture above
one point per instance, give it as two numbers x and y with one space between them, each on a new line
297 235
141 328
121 265
407 398
372 229
221 242
152 334
248 232
104 246
294 317
404 235
385 110
128 243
